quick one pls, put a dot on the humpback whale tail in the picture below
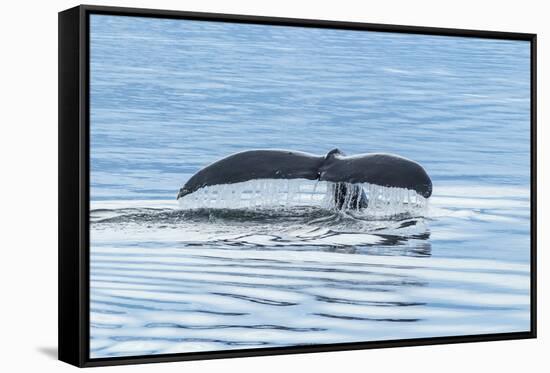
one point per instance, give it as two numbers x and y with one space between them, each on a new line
345 174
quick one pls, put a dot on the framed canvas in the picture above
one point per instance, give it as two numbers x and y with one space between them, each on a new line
238 185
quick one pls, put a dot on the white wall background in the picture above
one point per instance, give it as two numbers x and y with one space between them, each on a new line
28 184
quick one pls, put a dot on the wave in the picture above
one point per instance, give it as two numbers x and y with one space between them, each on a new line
166 279
303 227
202 299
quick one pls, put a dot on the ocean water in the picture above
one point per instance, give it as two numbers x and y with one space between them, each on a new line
168 97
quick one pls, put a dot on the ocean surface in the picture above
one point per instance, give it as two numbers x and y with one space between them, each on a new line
168 97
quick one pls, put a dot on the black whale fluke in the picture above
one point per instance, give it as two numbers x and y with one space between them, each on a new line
386 170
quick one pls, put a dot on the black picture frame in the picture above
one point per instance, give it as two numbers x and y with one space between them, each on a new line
74 184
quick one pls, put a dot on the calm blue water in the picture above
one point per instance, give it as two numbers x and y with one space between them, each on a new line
169 96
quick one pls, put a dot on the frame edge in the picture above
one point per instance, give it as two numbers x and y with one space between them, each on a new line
533 196
305 22
70 322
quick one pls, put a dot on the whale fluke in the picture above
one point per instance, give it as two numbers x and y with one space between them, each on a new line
255 164
387 170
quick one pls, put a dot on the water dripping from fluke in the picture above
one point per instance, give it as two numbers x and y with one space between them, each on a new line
360 200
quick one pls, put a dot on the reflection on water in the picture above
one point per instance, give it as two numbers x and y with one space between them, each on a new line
170 96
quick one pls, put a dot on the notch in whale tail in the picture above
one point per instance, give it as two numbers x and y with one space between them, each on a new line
334 153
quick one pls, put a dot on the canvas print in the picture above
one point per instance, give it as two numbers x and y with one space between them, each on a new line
257 186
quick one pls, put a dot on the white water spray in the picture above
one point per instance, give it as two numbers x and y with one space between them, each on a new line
288 193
